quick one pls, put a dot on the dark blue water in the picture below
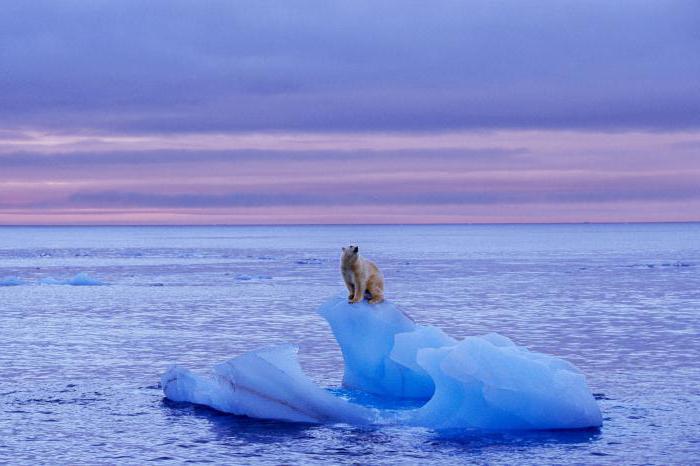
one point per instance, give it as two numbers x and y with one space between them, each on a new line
79 365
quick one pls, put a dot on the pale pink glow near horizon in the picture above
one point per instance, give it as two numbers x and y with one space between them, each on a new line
448 177
547 140
443 214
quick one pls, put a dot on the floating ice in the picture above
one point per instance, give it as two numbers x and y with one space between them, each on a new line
488 382
366 334
246 277
80 279
309 261
83 279
266 384
11 281
481 382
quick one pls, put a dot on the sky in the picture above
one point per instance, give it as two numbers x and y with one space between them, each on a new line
265 112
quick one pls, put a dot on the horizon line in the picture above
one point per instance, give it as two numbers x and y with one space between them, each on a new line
106 225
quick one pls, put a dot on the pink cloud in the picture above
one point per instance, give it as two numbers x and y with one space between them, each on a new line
453 177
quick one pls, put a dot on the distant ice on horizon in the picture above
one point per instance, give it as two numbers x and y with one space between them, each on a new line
11 281
80 279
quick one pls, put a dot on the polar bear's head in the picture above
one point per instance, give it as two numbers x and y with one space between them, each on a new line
350 253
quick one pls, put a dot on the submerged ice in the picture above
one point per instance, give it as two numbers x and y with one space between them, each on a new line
480 382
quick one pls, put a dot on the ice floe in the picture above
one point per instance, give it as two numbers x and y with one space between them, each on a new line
248 278
367 334
487 382
11 281
479 382
309 261
80 279
266 384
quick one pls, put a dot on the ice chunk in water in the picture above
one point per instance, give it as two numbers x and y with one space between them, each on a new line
366 334
480 382
266 384
80 279
11 281
83 279
488 382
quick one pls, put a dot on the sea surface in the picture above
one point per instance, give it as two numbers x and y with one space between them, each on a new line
80 365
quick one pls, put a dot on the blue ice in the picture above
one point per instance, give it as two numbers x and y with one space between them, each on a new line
80 279
379 344
265 384
246 277
488 382
11 281
479 382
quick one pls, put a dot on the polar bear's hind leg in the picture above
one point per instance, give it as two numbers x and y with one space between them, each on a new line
375 286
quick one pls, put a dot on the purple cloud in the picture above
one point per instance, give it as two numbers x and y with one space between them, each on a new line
181 66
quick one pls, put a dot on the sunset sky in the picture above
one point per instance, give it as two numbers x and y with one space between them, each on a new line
217 112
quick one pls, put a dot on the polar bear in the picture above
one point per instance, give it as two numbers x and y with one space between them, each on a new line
361 275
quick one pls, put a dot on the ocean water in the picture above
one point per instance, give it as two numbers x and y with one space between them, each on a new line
79 365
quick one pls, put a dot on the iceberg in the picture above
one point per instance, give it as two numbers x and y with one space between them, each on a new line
367 335
265 384
480 382
484 382
80 279
487 382
11 281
